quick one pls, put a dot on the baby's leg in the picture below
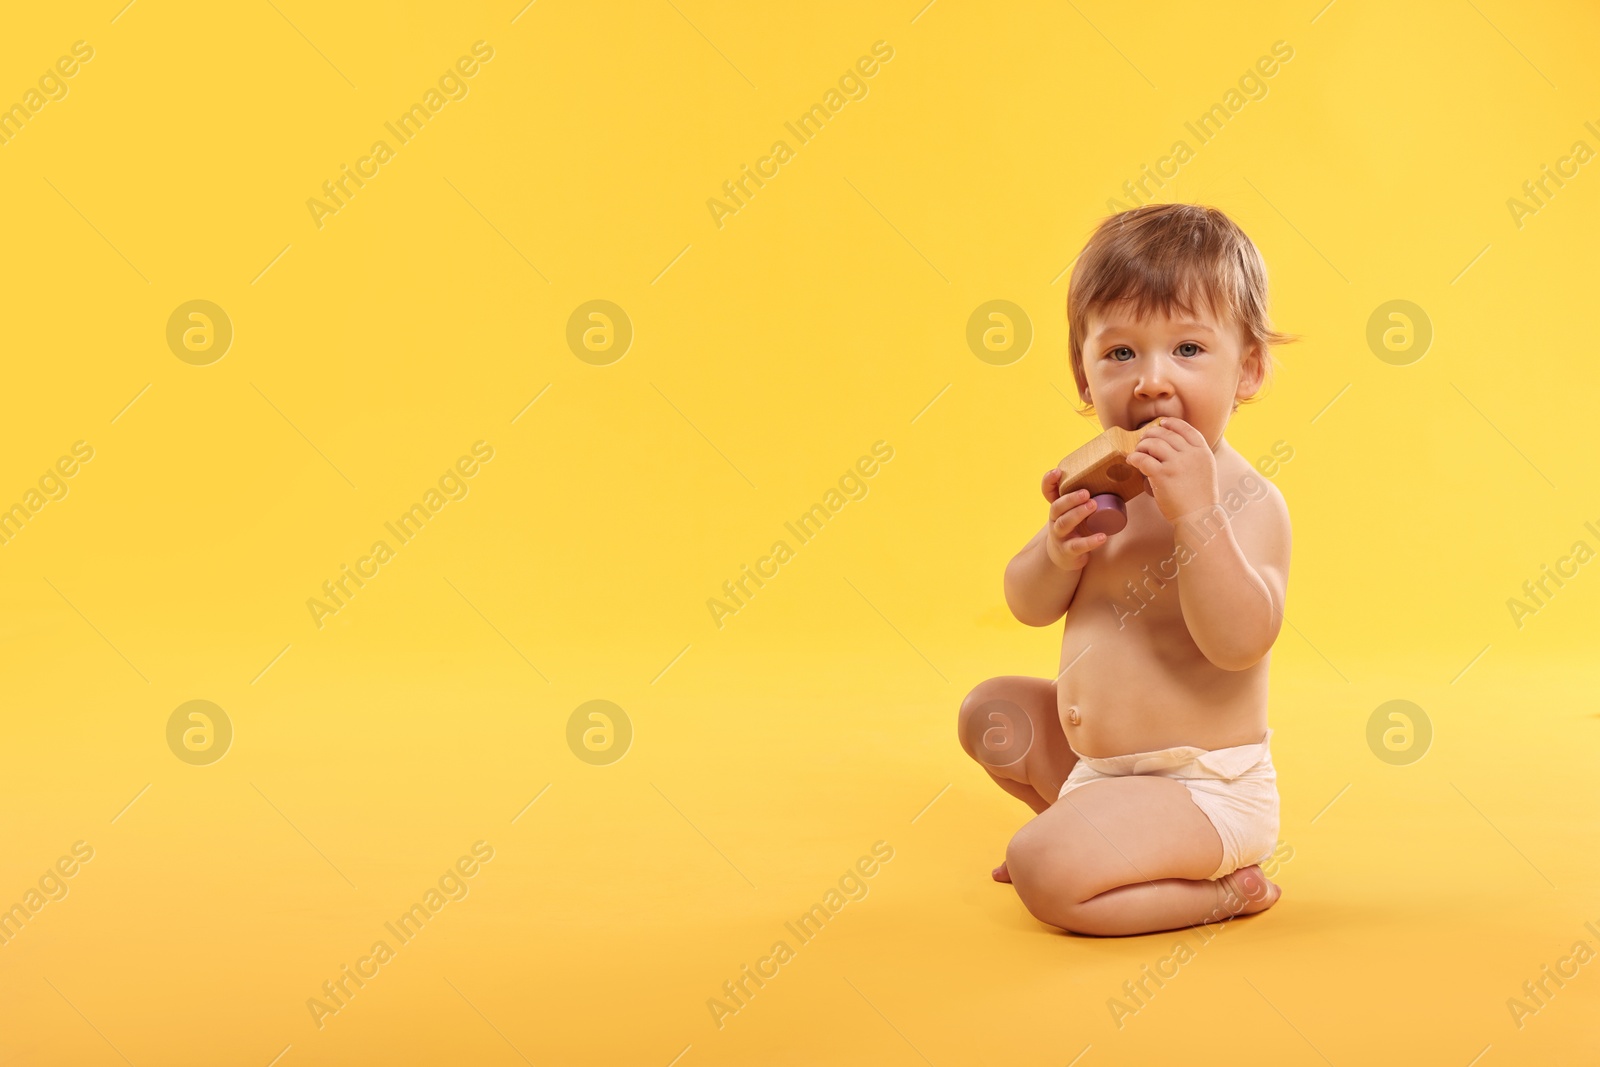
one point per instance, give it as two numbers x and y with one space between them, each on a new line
1129 855
1012 727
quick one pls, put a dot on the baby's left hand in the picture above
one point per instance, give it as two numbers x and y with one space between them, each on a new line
1181 468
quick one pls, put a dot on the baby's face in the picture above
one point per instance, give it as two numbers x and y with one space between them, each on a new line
1193 367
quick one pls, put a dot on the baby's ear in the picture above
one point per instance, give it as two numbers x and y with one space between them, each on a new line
1252 371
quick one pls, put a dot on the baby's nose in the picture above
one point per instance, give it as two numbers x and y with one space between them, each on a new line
1154 384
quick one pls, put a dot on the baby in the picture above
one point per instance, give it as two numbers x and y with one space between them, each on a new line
1146 759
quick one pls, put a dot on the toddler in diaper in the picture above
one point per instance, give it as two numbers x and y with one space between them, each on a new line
1146 760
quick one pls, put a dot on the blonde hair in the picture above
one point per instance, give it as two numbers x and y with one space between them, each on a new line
1166 257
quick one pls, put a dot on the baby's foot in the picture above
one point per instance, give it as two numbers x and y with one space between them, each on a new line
1001 874
1247 891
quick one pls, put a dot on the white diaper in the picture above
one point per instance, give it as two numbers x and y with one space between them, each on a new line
1236 788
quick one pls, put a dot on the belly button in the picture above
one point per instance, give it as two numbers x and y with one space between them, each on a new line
1072 715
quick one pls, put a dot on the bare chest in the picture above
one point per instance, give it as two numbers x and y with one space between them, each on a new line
1134 575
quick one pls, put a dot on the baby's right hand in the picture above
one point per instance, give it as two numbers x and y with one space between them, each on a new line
1069 552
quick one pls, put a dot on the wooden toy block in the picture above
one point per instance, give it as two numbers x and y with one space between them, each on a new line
1101 467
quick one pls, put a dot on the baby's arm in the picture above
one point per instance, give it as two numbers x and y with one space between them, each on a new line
1231 589
1042 578
1232 571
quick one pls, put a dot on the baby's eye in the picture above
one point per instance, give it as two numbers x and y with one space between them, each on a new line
1117 353
1188 348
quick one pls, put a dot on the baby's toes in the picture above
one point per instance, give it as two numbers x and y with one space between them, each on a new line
1247 891
1001 874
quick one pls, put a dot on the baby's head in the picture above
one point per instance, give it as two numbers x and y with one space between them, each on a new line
1167 315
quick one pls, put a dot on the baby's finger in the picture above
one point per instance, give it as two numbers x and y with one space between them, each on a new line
1185 431
1068 521
1060 504
1051 484
1077 546
1158 447
1164 432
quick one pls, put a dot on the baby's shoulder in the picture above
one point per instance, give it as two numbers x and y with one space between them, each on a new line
1250 497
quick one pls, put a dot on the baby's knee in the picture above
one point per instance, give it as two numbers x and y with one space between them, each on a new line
1043 877
1037 864
994 729
969 720
1024 856
1044 867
